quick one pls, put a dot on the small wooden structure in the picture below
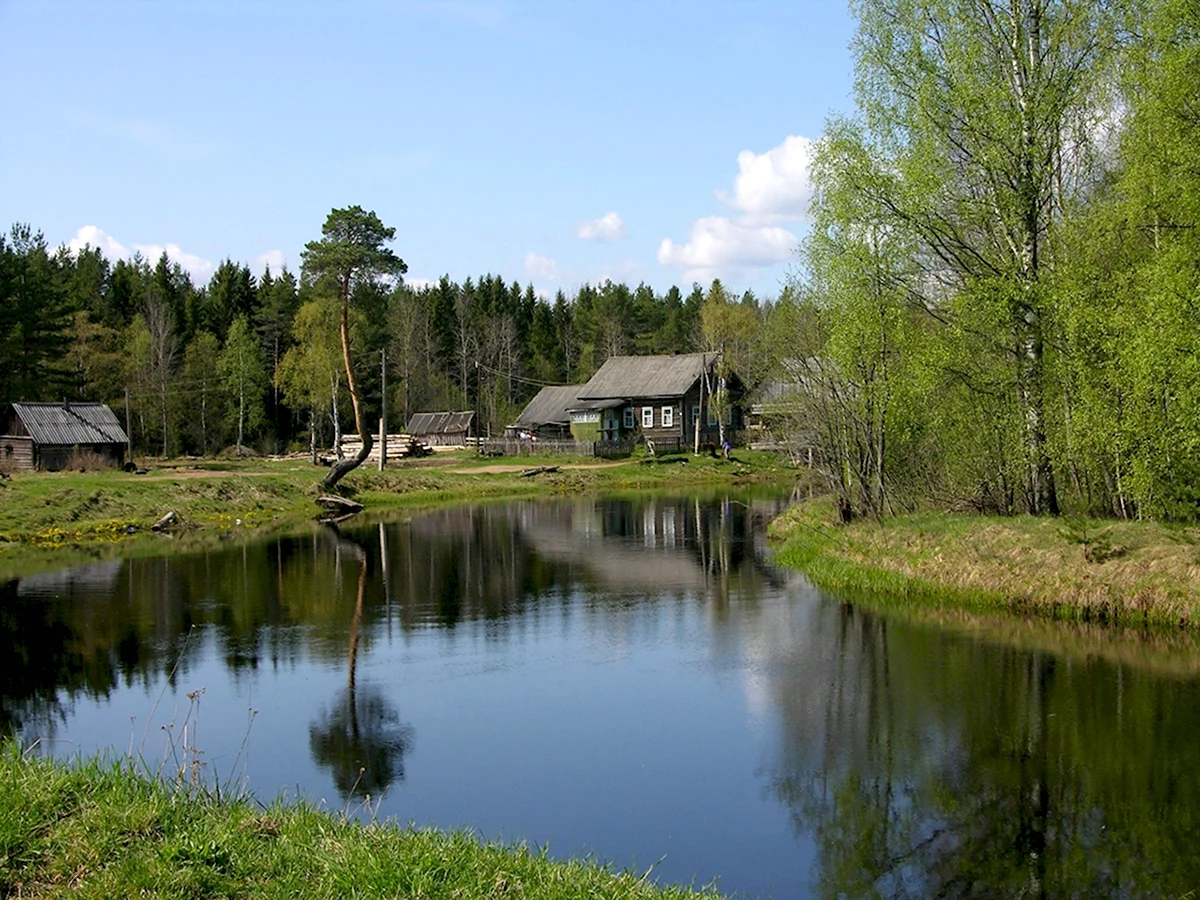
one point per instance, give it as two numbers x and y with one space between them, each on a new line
548 414
48 436
443 429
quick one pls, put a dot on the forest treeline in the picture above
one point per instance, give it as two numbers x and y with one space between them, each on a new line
997 306
256 359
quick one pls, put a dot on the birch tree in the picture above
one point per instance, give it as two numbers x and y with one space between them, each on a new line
310 373
240 367
987 109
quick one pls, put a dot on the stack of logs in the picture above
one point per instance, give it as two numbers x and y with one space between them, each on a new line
399 446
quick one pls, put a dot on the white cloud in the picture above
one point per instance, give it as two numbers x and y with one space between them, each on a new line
774 185
771 189
89 235
608 227
275 259
541 266
720 245
198 267
419 284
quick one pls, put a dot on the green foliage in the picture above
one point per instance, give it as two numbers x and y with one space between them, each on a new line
1004 266
351 250
244 378
98 829
34 319
201 377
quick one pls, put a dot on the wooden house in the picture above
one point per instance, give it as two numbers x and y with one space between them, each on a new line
548 415
443 429
660 398
47 435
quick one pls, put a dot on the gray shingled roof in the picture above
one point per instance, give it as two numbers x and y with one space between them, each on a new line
440 423
631 377
70 423
550 406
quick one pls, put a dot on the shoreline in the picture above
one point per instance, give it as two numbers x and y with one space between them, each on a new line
64 518
1141 574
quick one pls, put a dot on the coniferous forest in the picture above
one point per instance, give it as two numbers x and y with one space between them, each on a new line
261 351
997 306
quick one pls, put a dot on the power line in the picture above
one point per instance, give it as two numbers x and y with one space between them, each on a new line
520 378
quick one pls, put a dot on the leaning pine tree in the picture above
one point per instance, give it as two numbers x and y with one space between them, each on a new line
351 251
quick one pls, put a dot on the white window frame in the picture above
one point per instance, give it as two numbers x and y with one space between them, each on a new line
628 417
712 416
695 414
668 417
647 416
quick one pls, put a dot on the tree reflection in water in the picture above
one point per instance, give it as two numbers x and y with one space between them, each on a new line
925 766
359 737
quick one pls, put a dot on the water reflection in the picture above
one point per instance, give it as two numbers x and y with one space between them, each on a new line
359 736
931 767
641 678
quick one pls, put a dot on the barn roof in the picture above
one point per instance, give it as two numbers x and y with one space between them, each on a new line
70 423
550 406
631 377
440 423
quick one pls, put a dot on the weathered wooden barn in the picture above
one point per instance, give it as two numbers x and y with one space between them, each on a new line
443 429
548 415
47 435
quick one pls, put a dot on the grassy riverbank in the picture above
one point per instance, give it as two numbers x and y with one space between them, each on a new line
59 517
97 829
1128 572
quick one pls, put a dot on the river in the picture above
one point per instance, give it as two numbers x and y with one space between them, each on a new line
628 678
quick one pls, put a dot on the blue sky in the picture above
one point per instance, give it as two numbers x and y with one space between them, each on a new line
552 143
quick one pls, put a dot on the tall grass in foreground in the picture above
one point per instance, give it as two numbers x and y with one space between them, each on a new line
96 828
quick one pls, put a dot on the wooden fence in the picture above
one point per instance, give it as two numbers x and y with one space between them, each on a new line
613 449
508 447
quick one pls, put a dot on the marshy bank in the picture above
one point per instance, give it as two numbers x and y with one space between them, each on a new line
98 828
1139 573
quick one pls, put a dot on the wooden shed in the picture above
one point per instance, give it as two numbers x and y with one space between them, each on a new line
47 435
443 429
548 415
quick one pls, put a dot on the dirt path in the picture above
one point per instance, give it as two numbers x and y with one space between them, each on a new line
442 465
187 474
503 468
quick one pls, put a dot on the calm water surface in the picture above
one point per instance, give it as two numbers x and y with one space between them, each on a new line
630 679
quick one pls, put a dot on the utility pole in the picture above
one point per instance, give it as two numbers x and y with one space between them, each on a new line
128 430
383 410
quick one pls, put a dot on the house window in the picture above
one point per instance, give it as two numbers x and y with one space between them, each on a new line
647 416
628 417
712 415
695 415
668 417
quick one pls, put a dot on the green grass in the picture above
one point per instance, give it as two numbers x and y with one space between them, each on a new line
1140 573
98 829
64 517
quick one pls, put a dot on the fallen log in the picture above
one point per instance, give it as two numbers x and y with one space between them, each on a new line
339 504
165 522
538 470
